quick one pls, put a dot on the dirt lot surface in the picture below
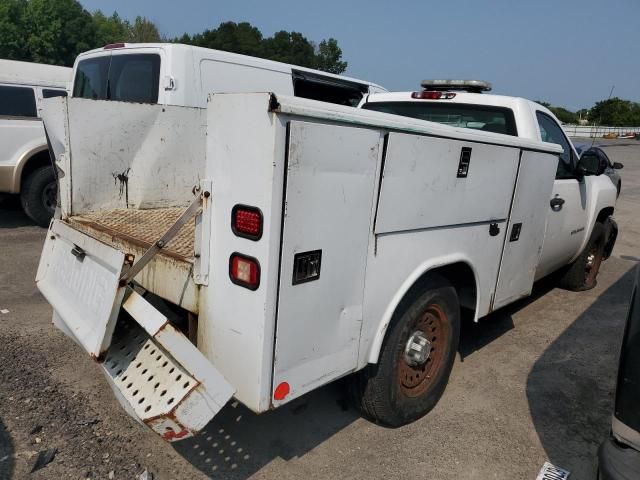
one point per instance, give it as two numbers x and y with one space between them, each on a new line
533 382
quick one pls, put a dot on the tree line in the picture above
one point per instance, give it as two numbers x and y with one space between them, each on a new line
56 31
613 112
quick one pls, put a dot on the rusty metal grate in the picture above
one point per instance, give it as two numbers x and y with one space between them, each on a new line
140 227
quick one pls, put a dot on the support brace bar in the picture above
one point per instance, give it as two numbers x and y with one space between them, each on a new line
191 211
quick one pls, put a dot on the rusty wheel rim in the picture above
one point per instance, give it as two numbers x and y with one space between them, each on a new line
416 378
594 259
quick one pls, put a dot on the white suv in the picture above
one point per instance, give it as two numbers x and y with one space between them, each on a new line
25 167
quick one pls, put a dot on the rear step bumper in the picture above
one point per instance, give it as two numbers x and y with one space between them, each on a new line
160 375
157 374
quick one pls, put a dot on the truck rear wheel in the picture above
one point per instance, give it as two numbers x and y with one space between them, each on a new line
39 194
582 273
416 358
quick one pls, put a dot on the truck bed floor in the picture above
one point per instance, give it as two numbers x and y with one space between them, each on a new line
141 228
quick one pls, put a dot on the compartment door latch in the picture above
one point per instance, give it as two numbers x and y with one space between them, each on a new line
465 160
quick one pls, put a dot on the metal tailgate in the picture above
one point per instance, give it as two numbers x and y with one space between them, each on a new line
157 374
79 277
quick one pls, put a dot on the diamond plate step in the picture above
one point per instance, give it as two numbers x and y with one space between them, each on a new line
160 377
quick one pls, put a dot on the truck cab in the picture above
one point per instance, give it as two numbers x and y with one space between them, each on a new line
582 198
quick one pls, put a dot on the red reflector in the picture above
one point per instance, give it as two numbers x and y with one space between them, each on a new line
244 271
432 95
281 391
113 45
246 222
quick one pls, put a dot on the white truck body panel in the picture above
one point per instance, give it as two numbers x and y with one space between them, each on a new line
157 147
315 322
329 207
568 229
321 175
408 176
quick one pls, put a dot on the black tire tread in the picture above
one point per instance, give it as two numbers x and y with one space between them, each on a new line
30 196
367 390
573 277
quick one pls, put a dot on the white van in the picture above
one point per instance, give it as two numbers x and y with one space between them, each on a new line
183 75
25 167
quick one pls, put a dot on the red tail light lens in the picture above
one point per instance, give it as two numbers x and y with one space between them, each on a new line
246 222
244 271
432 95
113 45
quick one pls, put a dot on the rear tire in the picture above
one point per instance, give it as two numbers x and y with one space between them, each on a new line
38 195
582 273
405 385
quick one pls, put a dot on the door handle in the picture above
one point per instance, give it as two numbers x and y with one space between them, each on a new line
556 203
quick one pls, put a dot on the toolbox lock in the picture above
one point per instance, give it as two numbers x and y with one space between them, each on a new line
494 229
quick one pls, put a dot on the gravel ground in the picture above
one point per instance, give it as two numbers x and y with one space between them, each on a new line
533 382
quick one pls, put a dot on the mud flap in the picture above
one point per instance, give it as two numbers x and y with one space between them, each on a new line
160 377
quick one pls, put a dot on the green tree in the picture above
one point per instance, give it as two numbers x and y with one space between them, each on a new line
143 30
616 112
230 37
56 31
283 46
290 47
564 115
110 29
328 57
12 45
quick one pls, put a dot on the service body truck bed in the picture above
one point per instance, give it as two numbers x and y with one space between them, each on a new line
346 212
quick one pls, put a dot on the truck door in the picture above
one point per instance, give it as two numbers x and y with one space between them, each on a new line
330 181
526 228
567 209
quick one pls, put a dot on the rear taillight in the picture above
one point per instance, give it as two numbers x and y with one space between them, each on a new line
244 271
432 95
113 45
246 222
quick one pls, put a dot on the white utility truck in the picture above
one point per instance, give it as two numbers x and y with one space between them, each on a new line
268 244
25 166
580 229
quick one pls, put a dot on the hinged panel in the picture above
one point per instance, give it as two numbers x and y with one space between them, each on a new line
79 277
527 227
329 198
429 182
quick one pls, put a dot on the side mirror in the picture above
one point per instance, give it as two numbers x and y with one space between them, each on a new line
617 165
590 165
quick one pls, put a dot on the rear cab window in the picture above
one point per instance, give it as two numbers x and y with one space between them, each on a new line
17 102
477 117
328 89
120 77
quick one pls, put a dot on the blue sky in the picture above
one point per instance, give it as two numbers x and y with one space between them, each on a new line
567 52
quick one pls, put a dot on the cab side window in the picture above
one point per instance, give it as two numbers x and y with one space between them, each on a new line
17 102
551 132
